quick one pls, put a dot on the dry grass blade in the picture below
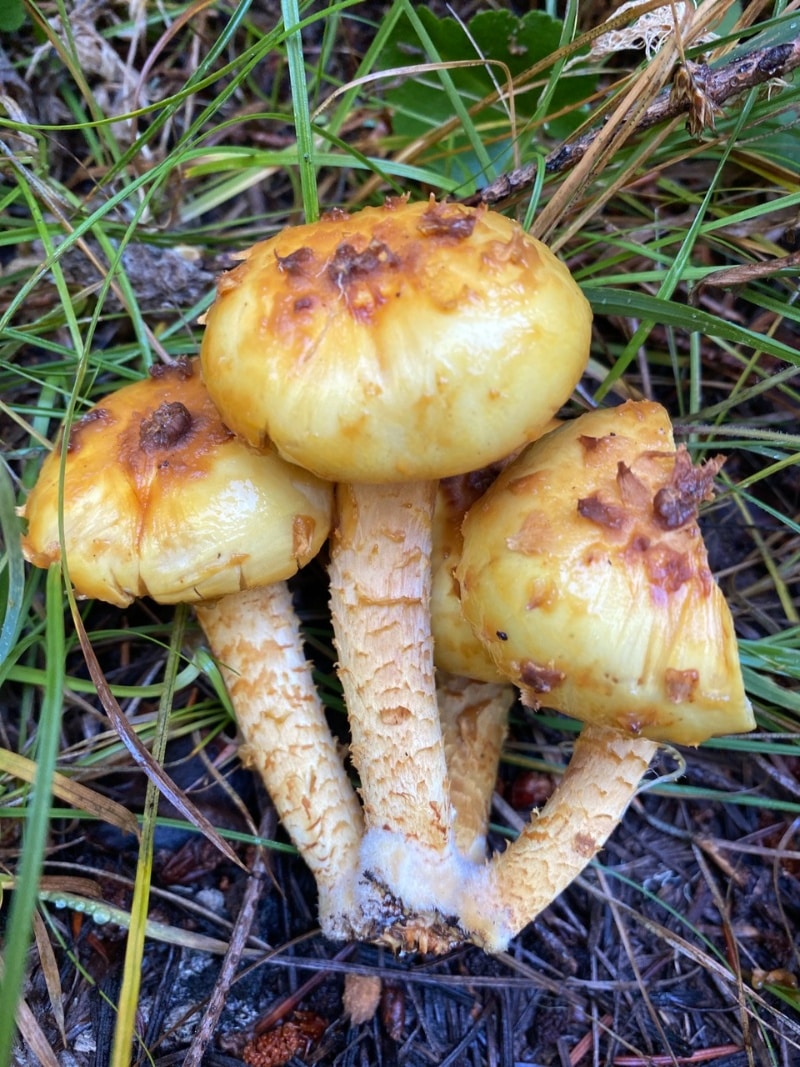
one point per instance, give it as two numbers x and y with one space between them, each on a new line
50 971
618 128
631 118
79 796
34 1037
138 751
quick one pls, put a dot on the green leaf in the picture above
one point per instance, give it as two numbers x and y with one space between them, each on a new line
12 15
419 103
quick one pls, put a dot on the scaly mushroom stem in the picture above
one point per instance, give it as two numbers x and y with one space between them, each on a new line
380 606
560 840
255 635
474 718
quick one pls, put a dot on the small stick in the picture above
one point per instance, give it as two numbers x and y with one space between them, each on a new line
233 957
715 84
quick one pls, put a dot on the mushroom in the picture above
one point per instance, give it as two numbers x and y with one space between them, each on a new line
161 499
385 350
583 572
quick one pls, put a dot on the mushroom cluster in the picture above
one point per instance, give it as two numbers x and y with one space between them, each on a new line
381 359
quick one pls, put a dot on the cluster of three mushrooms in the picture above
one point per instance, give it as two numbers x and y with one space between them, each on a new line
385 351
410 343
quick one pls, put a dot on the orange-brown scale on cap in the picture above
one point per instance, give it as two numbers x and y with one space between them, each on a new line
637 723
364 271
609 516
516 252
676 504
669 569
632 490
649 510
680 686
171 442
165 427
443 220
540 678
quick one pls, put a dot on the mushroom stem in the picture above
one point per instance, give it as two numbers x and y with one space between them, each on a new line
560 840
380 606
255 635
474 717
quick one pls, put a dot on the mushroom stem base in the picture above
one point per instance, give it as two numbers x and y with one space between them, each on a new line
560 840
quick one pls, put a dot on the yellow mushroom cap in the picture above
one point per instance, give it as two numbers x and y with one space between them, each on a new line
584 572
162 500
400 343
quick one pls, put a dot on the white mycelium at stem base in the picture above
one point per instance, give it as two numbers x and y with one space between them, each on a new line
161 500
584 573
394 347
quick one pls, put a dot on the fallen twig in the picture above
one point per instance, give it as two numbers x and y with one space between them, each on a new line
238 940
710 87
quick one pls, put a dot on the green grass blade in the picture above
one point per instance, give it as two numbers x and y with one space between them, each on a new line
14 567
36 828
611 301
134 951
682 260
302 116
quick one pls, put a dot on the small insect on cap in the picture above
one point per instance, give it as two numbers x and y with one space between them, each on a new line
584 572
162 500
406 342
